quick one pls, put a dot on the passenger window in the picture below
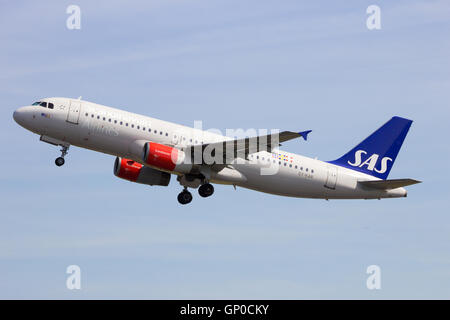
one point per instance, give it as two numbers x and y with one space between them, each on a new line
43 104
50 105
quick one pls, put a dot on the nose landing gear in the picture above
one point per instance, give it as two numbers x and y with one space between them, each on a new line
60 160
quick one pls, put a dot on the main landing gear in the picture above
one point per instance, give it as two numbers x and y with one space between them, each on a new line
184 197
205 190
60 160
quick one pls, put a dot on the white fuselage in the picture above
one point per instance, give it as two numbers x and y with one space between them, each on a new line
114 131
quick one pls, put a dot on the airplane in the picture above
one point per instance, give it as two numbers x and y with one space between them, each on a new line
149 151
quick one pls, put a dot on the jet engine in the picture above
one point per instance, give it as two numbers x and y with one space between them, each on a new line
133 171
166 157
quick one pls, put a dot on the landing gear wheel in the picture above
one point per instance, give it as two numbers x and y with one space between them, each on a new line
59 161
184 197
206 190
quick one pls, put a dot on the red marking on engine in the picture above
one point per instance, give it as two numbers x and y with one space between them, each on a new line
161 156
129 170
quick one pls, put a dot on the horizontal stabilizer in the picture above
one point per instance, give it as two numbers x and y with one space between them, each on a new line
388 184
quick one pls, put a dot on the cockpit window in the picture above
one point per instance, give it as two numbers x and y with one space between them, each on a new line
36 103
43 104
50 105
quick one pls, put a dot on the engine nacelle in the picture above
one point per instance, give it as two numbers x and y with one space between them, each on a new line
166 157
133 171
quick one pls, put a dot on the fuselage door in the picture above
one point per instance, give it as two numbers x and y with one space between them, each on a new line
73 115
331 177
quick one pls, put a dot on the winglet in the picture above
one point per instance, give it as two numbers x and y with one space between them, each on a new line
304 134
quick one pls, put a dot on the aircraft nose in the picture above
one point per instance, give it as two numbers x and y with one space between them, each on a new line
19 115
16 115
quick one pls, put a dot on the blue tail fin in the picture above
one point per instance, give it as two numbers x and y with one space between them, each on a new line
377 153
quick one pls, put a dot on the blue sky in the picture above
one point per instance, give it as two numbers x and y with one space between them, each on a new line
292 65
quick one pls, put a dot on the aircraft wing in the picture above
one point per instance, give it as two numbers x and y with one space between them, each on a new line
241 148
